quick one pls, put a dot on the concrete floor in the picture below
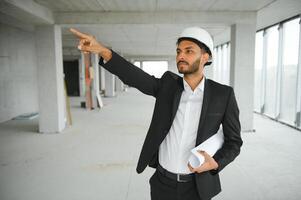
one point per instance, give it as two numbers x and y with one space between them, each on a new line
96 157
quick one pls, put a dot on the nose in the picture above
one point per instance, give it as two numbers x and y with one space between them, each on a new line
180 56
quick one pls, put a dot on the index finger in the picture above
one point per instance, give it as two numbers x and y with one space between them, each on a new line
190 167
78 34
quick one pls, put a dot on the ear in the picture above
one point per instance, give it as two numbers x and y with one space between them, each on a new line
204 58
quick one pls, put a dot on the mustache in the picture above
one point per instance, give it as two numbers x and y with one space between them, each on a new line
184 62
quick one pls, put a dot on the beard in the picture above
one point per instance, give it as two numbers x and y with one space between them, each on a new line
191 68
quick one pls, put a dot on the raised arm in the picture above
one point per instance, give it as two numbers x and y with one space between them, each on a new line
126 71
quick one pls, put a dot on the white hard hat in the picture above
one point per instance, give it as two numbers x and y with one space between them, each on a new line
199 34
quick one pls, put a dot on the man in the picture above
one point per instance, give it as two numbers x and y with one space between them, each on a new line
187 111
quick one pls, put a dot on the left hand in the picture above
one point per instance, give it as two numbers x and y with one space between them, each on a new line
209 164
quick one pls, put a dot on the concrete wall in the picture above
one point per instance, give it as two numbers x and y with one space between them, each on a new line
276 12
267 16
18 72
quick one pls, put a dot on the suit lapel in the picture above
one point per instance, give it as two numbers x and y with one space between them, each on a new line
206 100
177 98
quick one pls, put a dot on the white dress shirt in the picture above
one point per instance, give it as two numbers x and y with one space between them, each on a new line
174 151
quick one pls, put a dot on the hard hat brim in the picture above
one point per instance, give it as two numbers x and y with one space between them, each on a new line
200 44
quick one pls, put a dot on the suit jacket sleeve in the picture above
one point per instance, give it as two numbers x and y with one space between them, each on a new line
131 75
232 138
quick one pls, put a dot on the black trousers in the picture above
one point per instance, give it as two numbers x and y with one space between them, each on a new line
163 188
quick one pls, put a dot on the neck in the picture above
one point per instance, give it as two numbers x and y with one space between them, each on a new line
193 80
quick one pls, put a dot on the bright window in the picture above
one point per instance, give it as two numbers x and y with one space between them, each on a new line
155 68
290 70
221 64
137 63
225 65
271 75
258 71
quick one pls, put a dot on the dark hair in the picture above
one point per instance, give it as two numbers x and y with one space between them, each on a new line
200 44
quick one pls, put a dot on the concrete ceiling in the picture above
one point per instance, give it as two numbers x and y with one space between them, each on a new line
153 5
135 39
145 27
154 39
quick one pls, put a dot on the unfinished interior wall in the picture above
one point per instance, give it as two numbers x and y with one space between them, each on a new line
18 72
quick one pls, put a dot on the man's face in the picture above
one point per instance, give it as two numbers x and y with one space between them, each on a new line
189 57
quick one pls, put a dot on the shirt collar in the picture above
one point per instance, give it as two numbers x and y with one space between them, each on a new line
200 86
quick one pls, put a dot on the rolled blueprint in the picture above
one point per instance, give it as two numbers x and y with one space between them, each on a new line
211 145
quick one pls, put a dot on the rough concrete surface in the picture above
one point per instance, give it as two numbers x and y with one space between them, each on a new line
96 157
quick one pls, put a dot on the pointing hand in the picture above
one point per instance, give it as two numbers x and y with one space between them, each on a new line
88 43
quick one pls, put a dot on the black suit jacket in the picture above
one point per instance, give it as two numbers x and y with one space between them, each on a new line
219 107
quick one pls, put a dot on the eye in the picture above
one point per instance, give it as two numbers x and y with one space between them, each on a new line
189 51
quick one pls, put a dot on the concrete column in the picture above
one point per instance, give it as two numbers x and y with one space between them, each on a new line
102 78
81 66
298 96
96 81
119 84
93 81
50 79
242 70
109 84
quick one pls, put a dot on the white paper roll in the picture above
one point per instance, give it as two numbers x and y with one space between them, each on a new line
211 145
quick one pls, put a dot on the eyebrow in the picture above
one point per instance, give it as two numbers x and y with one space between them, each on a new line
189 47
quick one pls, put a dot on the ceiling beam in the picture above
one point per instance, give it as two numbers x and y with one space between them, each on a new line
27 11
175 17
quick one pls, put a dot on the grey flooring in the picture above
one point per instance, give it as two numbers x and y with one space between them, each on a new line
96 157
